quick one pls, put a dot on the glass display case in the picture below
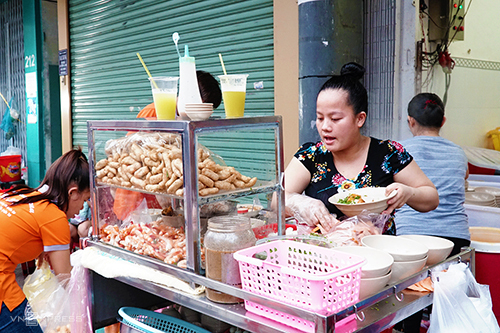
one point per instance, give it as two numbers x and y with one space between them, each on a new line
154 184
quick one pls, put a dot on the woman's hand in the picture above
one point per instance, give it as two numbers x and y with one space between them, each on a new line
403 194
310 211
422 199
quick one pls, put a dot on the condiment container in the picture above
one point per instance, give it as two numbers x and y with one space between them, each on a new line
188 85
226 235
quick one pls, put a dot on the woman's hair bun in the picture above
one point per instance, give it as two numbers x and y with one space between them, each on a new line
355 70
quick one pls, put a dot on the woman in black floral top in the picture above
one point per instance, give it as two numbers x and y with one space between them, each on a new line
346 159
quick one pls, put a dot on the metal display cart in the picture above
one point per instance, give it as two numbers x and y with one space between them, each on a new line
380 311
373 314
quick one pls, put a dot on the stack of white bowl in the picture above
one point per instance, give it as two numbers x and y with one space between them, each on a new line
480 198
439 248
409 256
491 190
375 273
199 111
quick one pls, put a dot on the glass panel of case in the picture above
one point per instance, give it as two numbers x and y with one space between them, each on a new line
148 201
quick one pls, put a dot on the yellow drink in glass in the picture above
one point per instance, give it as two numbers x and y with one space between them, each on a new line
234 103
234 89
165 105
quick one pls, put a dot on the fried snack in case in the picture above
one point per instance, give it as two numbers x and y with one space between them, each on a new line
153 162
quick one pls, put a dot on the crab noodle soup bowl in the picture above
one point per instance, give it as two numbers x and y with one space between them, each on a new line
378 262
401 249
374 199
439 248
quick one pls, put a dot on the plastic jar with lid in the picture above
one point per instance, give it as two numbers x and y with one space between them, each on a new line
226 235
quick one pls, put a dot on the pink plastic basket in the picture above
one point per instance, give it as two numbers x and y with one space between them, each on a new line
310 277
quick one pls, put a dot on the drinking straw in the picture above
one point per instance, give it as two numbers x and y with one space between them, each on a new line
147 71
5 101
222 63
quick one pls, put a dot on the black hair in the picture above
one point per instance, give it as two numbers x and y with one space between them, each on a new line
209 88
348 80
427 109
71 169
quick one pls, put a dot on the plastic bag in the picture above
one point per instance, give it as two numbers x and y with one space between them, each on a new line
11 150
60 306
351 230
10 117
48 298
461 304
78 287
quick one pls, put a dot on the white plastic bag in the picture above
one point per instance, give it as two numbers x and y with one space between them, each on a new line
48 298
461 304
60 306
78 289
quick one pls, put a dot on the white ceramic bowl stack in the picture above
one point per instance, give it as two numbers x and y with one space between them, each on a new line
409 256
439 248
375 273
199 111
480 199
491 190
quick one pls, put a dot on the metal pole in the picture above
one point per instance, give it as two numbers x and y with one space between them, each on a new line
330 35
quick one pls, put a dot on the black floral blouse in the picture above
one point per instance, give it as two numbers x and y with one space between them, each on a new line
385 159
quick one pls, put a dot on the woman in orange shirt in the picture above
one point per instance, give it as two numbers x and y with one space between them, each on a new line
34 221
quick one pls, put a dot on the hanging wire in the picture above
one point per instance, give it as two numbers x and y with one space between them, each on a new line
447 83
431 58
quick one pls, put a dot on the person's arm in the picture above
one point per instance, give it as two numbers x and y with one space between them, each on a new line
60 263
83 228
413 188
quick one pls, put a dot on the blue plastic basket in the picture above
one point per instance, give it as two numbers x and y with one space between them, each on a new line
154 322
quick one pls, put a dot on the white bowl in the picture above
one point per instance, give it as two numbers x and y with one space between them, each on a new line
199 105
154 213
403 269
401 249
378 262
173 221
253 210
488 189
374 197
371 286
198 114
439 248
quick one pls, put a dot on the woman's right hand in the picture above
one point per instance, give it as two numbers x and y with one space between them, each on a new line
310 211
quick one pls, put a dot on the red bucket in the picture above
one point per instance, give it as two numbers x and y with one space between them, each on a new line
10 168
486 241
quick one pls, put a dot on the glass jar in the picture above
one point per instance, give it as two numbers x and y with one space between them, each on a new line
226 235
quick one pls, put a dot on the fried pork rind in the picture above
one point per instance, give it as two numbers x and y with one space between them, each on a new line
153 162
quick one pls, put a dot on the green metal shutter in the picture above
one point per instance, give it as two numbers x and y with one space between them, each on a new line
108 81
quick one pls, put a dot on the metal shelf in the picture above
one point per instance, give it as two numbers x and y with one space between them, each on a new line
373 314
260 187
